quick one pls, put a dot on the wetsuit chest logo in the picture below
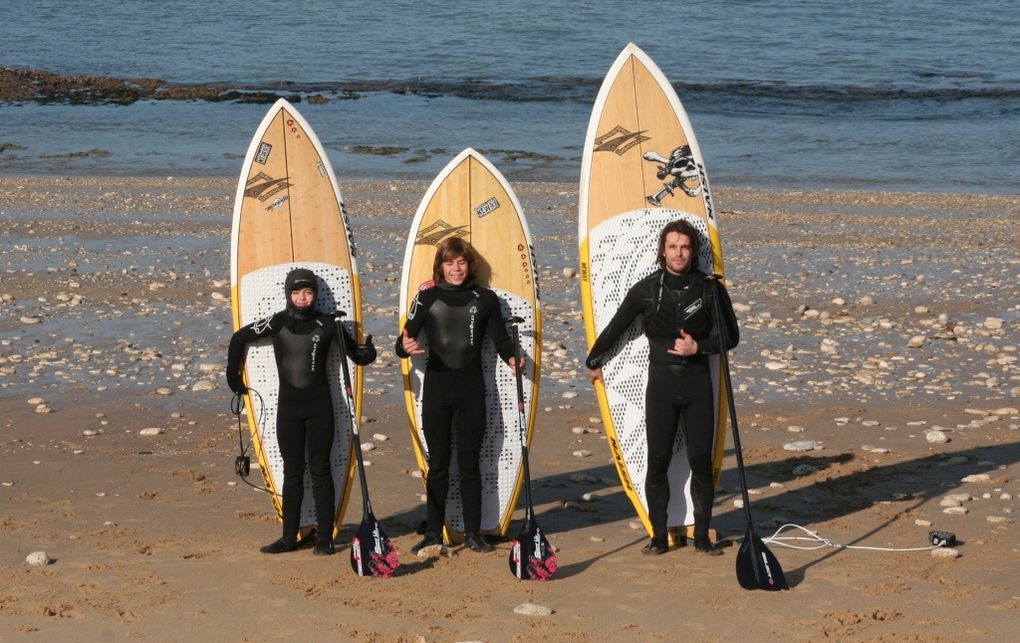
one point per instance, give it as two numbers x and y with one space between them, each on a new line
471 325
315 349
692 308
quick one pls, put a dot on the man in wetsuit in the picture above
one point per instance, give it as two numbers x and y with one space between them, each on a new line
675 304
455 314
304 415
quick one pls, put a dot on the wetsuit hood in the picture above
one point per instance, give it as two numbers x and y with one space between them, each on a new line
300 278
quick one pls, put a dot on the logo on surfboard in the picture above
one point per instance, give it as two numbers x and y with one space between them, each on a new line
263 153
487 207
262 186
681 171
433 234
619 140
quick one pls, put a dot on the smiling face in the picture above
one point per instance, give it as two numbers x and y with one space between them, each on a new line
677 253
302 298
455 271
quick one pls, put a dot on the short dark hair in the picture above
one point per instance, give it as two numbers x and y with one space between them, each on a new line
684 227
449 249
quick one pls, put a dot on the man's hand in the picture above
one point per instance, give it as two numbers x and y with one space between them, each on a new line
595 375
684 346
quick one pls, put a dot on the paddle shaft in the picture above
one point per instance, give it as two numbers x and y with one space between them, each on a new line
521 421
724 358
366 503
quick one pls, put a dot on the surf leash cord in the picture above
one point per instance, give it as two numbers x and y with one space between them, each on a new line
242 464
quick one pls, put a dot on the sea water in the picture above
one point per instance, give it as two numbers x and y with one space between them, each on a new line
898 94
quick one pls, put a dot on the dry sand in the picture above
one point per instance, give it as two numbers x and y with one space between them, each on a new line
868 321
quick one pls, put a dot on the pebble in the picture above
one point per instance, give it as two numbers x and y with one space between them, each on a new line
795 429
380 437
775 366
579 430
976 477
961 497
945 552
950 502
635 524
35 401
533 609
738 503
203 385
955 511
917 341
569 273
804 470
582 478
920 522
38 559
597 539
993 323
367 446
164 390
1006 496
569 394
42 408
999 519
151 431
582 453
936 437
802 445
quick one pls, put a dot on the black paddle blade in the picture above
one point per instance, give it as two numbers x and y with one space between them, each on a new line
531 555
757 567
372 553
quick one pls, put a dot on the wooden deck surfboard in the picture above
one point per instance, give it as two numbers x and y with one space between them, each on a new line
638 126
471 199
288 213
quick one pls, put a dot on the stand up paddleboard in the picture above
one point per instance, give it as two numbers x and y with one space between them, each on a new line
641 169
471 199
288 213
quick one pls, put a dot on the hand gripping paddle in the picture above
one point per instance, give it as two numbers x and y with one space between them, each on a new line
372 553
531 556
757 567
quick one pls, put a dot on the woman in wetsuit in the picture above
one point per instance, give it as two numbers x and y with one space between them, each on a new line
675 304
304 416
455 314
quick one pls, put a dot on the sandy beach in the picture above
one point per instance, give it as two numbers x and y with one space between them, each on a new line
879 337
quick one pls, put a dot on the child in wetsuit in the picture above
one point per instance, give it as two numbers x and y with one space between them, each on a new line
455 314
304 417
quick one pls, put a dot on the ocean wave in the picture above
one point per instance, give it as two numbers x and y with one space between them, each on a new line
38 86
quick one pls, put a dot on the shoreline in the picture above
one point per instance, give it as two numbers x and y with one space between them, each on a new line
131 334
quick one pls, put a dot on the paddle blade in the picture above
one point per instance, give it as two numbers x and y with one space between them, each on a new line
757 567
372 553
531 555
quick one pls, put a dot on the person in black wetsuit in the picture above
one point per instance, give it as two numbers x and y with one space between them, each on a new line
455 314
675 304
304 415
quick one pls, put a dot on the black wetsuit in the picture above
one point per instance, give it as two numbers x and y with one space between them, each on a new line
304 414
679 394
456 320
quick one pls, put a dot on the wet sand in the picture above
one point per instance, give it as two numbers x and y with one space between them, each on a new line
882 328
